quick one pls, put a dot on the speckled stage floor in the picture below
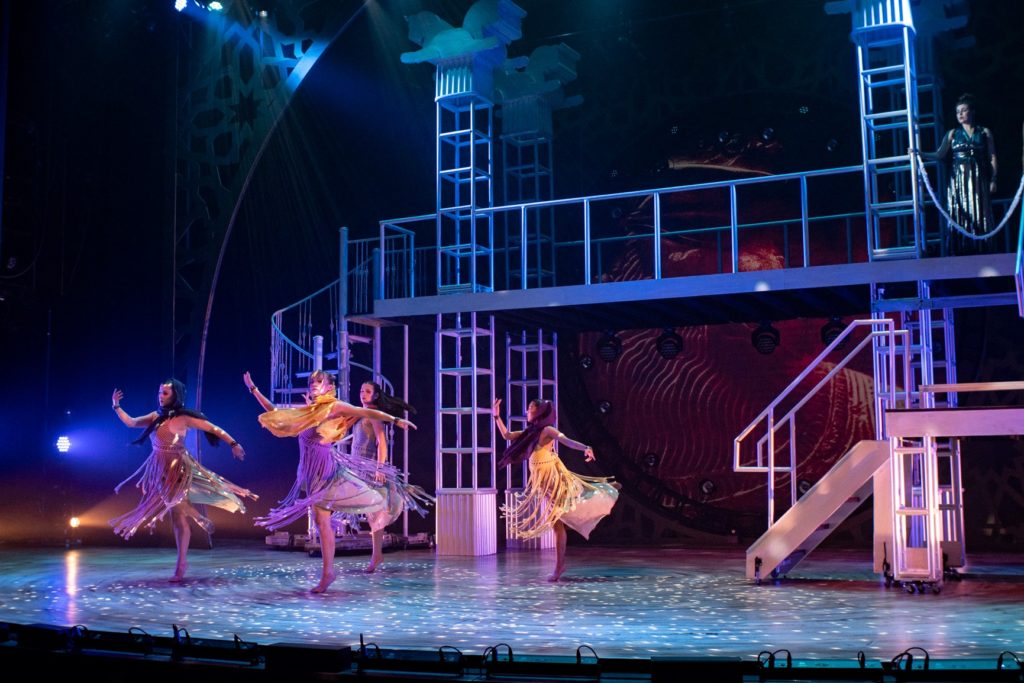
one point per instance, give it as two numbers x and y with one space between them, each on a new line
623 602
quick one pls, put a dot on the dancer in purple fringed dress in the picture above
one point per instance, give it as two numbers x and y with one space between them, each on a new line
328 481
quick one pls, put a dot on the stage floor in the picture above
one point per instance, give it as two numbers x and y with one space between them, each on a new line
623 602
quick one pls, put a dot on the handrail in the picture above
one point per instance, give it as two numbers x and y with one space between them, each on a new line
1020 266
274 326
879 328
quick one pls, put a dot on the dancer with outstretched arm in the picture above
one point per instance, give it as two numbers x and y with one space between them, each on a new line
554 497
171 480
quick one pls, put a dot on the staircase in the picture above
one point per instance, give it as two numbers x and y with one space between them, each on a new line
823 508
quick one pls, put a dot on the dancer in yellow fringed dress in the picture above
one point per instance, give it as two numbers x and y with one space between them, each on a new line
328 481
554 497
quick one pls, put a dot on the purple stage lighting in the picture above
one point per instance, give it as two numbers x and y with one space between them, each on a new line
63 444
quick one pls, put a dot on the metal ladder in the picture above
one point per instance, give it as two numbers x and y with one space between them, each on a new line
531 371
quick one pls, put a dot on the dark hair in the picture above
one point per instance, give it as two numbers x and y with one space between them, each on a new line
968 99
175 409
322 376
385 402
527 440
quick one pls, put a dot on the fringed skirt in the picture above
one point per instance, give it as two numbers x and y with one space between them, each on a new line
554 494
347 485
170 476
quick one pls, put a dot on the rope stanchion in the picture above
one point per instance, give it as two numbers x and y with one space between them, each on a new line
959 228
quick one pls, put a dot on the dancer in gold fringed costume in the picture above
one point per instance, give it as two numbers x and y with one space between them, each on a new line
170 479
554 497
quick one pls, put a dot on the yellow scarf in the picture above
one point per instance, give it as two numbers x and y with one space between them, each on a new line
294 421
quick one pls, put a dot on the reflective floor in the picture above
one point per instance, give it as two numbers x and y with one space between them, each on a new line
623 602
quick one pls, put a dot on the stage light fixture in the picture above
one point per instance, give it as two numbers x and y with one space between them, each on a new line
609 347
215 6
586 361
803 486
707 489
832 145
765 338
669 344
74 522
604 407
831 330
180 5
650 461
63 444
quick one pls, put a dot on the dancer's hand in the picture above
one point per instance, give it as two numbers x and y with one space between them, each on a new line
496 408
238 451
115 398
402 423
588 454
379 477
249 384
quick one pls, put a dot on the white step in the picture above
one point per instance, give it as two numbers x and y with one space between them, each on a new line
999 421
820 510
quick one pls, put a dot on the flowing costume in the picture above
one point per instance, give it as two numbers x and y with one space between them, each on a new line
967 196
171 476
334 481
554 494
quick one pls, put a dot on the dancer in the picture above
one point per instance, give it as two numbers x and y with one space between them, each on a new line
170 479
972 179
554 497
326 481
370 442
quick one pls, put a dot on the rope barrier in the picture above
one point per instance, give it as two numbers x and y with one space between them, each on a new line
952 223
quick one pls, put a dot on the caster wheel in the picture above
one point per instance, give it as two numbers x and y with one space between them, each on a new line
910 588
936 589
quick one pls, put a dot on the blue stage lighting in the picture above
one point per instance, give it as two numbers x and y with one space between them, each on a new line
180 5
216 6
63 444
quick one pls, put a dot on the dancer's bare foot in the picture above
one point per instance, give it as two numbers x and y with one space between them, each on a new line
557 574
372 567
325 581
179 573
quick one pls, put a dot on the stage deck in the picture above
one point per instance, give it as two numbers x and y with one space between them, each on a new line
623 602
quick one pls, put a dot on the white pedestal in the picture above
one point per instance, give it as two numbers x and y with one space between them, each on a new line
467 522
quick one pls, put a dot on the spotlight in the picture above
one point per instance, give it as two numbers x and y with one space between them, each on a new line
802 487
74 522
609 347
586 361
63 444
804 109
669 344
765 338
768 134
832 145
215 6
707 488
180 5
604 407
831 330
650 461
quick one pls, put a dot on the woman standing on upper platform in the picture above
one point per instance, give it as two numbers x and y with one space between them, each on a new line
553 497
325 481
172 480
972 179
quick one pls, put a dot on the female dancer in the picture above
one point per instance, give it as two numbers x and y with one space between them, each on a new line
325 481
370 442
554 497
171 480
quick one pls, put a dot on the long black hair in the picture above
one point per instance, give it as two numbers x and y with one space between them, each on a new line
177 408
386 403
527 440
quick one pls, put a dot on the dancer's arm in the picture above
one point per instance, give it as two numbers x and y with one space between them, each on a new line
128 420
496 412
942 151
210 428
342 408
554 434
382 448
251 386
